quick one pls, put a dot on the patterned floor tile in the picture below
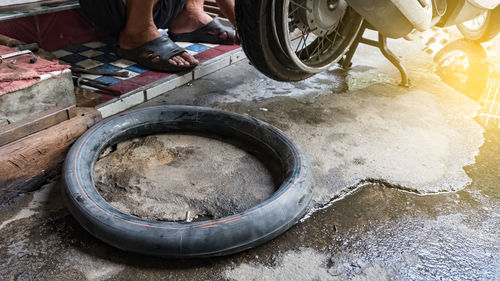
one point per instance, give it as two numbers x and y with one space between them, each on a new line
89 63
137 68
91 53
73 58
108 80
107 68
106 58
210 46
106 49
90 76
99 55
197 48
61 53
122 63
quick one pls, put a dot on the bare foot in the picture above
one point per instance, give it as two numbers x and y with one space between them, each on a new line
131 40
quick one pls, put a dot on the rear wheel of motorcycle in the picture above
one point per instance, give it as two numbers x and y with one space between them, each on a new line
482 28
266 40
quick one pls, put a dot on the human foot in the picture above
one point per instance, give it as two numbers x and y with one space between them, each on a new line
213 32
193 18
160 54
131 40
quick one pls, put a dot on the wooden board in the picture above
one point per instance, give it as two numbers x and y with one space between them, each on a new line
26 163
40 121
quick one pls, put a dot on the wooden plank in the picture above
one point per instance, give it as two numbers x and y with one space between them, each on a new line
25 163
36 123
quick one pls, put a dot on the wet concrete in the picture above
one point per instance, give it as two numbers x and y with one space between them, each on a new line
407 187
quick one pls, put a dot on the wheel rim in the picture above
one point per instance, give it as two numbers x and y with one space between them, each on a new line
315 33
476 23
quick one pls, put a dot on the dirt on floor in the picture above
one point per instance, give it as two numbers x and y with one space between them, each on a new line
181 178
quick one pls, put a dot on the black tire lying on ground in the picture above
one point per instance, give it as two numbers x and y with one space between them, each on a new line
178 239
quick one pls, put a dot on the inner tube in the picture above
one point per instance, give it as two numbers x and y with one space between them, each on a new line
220 236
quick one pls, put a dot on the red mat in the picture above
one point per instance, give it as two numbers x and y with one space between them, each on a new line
23 74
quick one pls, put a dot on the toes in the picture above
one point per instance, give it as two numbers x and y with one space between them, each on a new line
172 61
183 59
189 59
178 60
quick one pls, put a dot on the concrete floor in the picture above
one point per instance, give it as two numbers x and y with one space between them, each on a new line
406 186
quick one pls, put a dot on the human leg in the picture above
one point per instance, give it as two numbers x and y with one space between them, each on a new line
193 18
140 29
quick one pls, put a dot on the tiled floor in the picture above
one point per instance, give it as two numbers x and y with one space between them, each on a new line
142 84
99 55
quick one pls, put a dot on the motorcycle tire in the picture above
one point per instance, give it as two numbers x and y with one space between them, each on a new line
487 31
477 72
262 46
221 236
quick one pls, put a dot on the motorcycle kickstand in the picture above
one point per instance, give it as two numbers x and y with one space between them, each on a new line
381 44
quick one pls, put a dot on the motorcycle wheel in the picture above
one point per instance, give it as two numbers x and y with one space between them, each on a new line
292 40
460 64
482 28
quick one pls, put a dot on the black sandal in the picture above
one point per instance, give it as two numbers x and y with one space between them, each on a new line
209 33
162 47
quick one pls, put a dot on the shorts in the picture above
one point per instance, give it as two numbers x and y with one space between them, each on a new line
111 15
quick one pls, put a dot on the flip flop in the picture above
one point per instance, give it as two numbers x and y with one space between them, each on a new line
209 33
162 47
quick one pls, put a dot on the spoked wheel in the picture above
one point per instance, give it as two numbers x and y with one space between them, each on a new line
290 40
315 34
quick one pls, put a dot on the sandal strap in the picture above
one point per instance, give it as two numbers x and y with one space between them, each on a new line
162 47
204 34
216 24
